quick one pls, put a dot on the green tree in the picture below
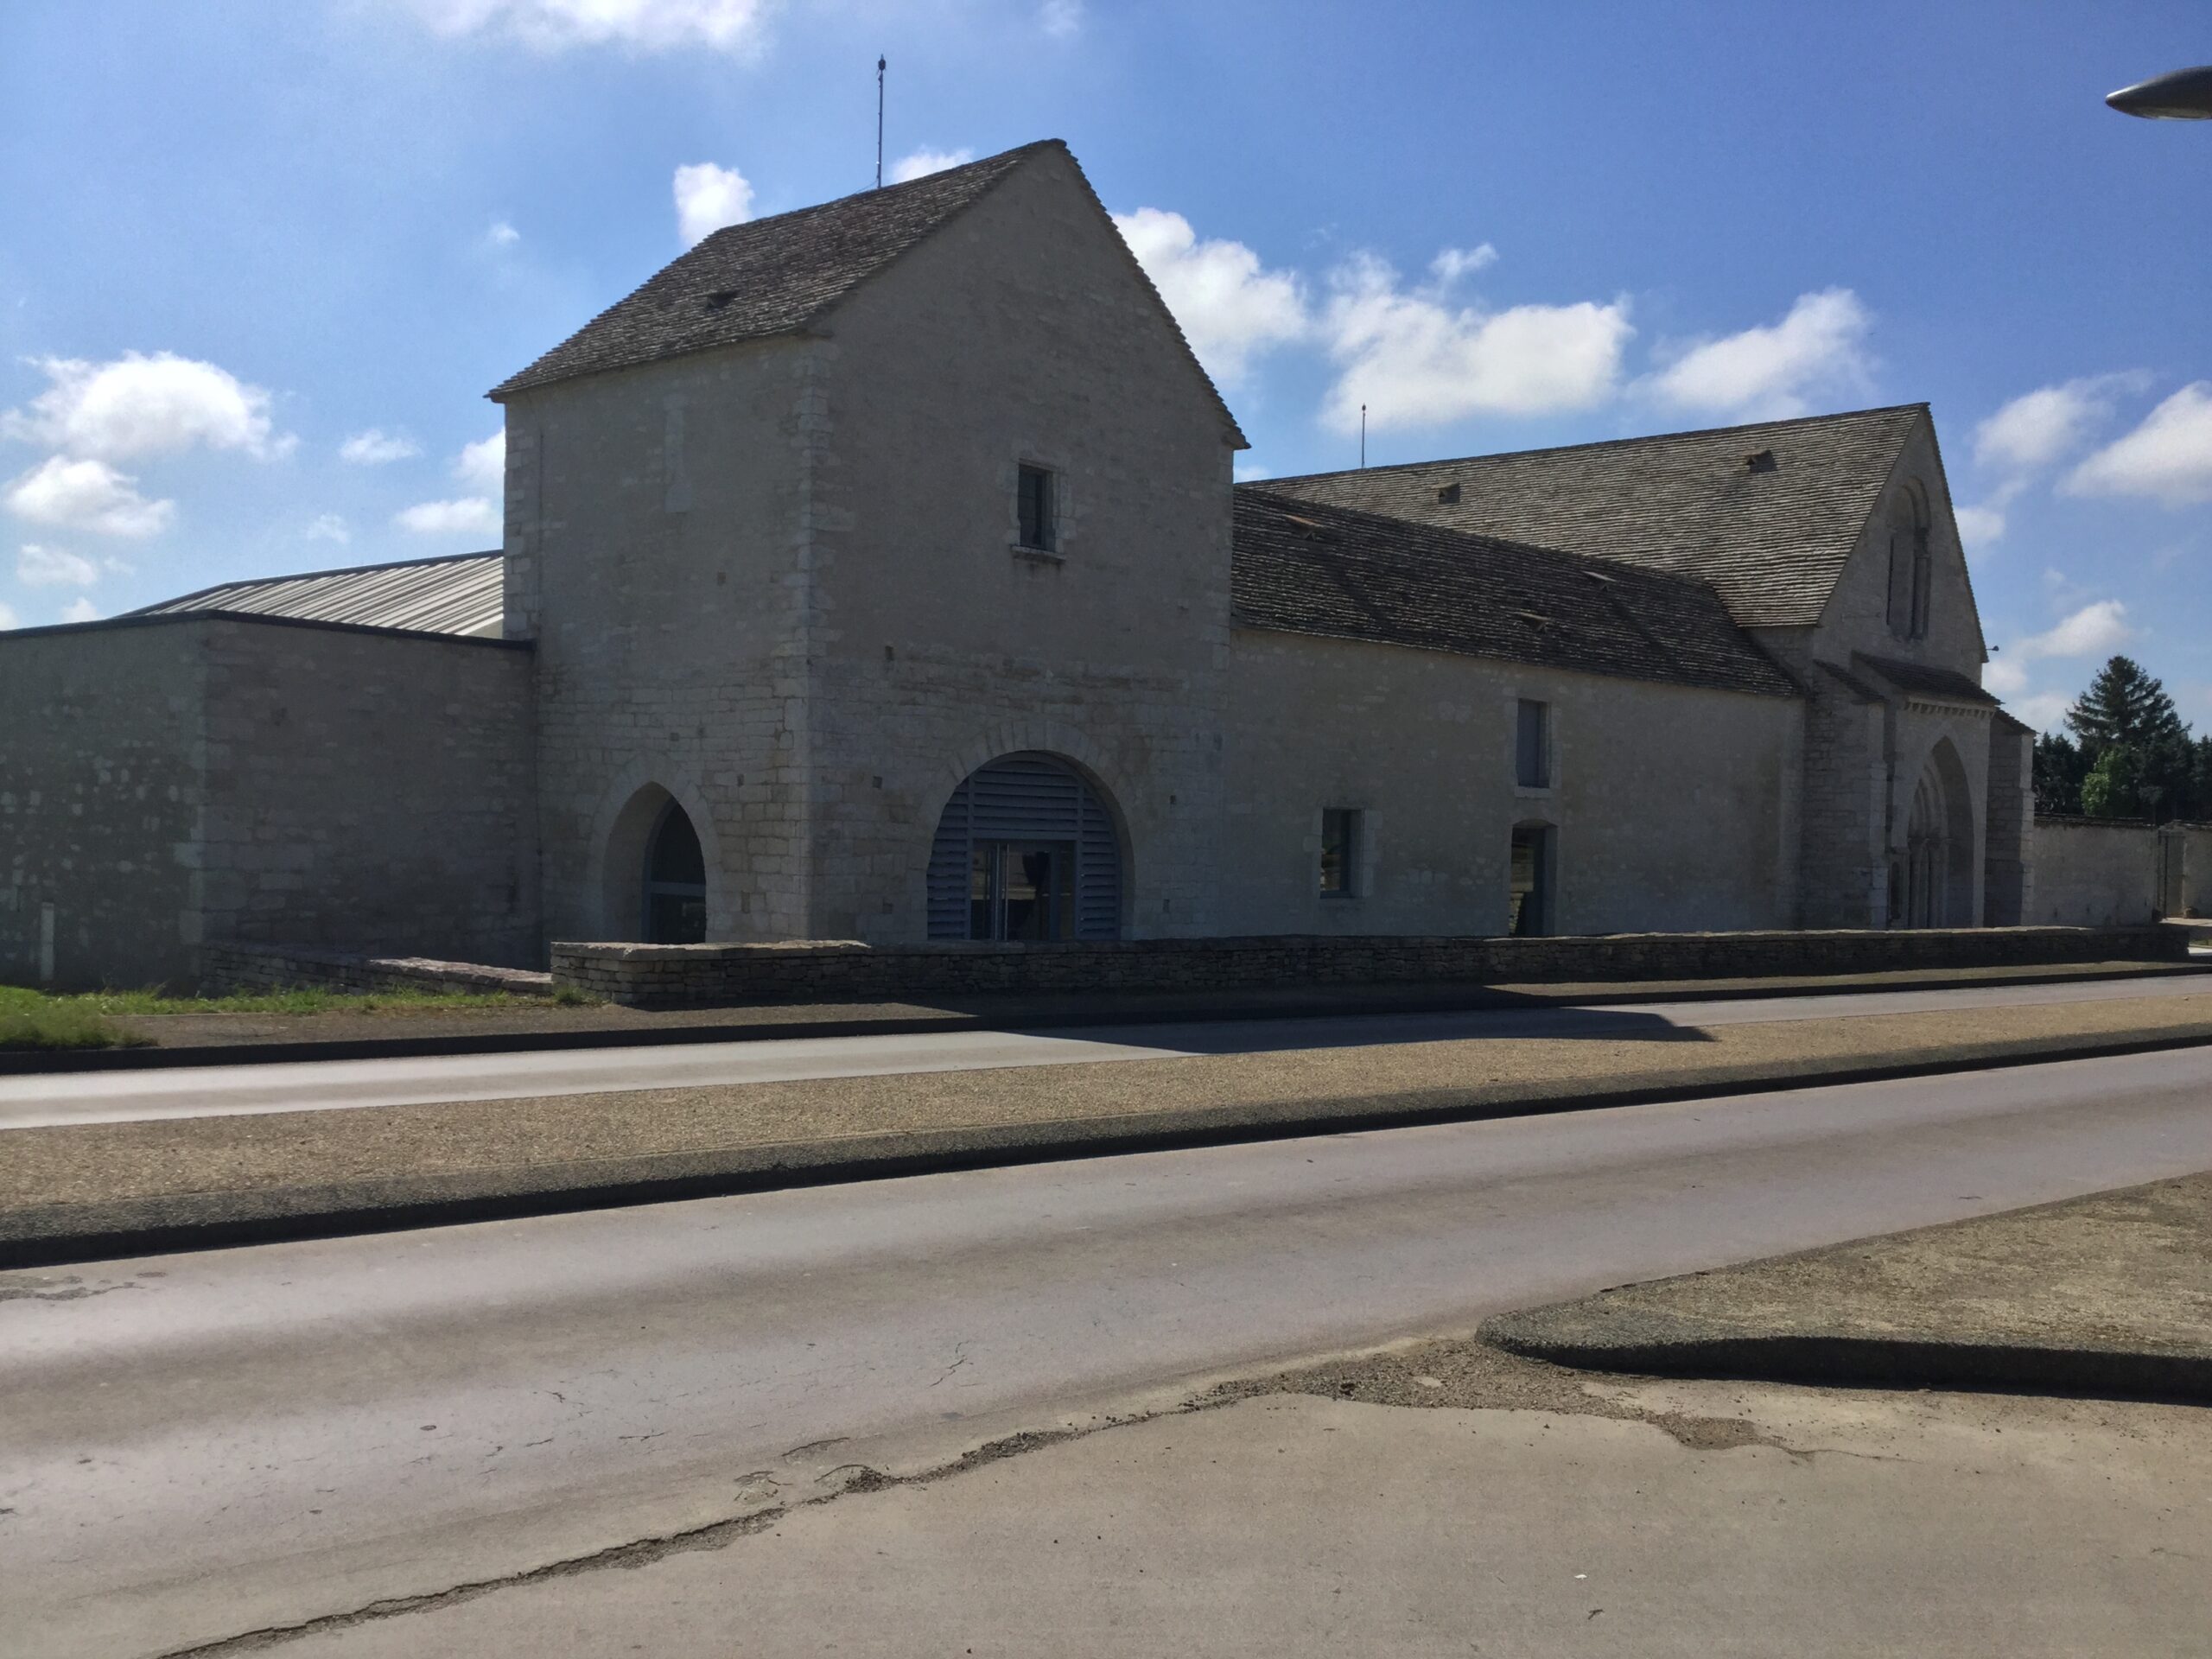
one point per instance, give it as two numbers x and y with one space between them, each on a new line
2134 747
2060 767
2115 785
2124 705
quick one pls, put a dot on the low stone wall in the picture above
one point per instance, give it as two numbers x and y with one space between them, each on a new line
226 968
672 976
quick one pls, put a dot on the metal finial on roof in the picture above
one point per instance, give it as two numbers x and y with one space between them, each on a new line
1362 437
880 64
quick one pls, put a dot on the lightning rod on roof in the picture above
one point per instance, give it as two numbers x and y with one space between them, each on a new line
880 65
1362 437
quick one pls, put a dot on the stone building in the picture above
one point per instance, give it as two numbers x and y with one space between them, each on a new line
875 571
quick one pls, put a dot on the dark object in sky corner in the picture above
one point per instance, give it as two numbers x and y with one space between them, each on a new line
2184 95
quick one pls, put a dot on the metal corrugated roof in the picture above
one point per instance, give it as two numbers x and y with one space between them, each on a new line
461 595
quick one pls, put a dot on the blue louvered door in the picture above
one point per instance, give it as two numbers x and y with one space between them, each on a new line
1026 850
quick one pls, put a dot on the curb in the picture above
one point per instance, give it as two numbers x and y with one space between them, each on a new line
1875 1361
1467 999
53 1235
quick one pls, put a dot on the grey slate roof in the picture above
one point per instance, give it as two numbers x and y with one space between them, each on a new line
462 596
1303 567
1944 683
768 275
1771 541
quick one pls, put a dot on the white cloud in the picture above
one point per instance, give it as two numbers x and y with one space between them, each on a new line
1251 471
142 405
54 567
483 465
1060 18
1982 525
86 495
709 197
1228 307
330 528
1451 265
923 162
2096 628
2168 458
472 517
1773 372
80 609
1415 360
502 234
2004 677
1979 526
378 447
7 620
738 27
2039 427
2045 711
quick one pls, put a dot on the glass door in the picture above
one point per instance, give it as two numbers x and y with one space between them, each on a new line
1021 890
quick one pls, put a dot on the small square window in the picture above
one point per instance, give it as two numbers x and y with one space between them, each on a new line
1532 767
1339 849
1036 492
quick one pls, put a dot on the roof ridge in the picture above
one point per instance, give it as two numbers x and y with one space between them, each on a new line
1594 563
1608 443
308 575
903 185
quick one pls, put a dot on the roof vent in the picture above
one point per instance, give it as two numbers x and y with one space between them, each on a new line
1448 496
721 297
1760 461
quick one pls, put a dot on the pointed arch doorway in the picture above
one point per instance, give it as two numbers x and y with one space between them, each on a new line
675 895
1932 884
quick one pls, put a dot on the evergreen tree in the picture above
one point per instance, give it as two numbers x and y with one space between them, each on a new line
2126 715
2060 767
2124 705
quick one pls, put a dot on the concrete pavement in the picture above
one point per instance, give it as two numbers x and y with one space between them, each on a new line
1287 1527
196 1446
46 1100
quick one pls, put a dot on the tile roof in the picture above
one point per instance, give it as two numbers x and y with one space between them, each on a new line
1770 538
463 594
1303 567
768 275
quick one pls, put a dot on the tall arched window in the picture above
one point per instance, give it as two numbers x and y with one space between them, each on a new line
1911 567
676 881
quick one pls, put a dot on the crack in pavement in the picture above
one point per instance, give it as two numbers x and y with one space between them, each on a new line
1456 1372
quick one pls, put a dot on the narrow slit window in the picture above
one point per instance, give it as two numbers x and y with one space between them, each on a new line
1036 489
1339 848
1532 767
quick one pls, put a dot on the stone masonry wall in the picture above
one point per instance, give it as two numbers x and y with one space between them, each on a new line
1672 808
368 791
728 974
2098 873
932 643
100 799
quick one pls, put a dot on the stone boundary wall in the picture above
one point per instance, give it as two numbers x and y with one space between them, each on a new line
675 975
2119 872
255 969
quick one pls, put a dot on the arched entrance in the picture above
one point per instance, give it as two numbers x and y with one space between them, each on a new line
1027 848
1932 884
675 910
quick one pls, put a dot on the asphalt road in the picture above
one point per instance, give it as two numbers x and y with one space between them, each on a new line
196 1446
43 1101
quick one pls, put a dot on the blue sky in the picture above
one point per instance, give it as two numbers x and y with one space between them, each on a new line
259 262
